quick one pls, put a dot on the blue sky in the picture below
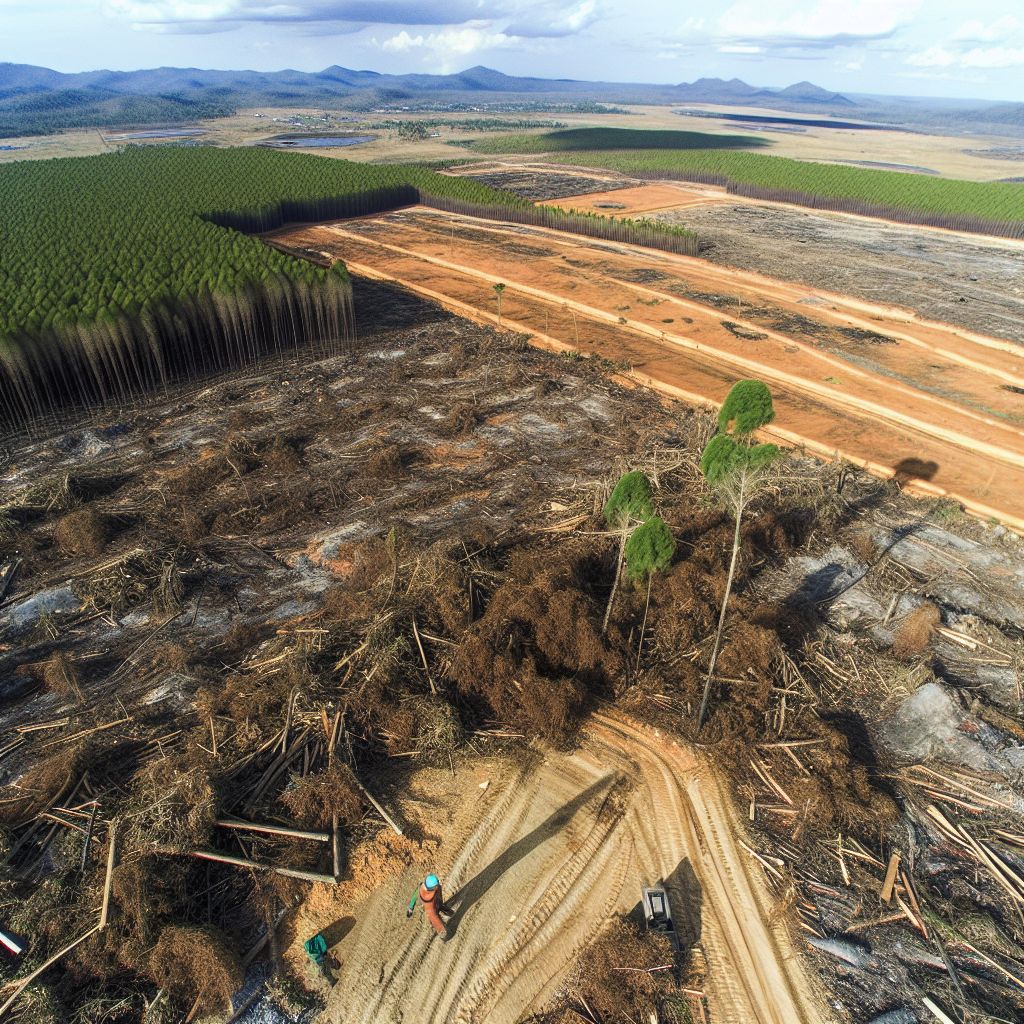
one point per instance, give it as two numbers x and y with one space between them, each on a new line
910 47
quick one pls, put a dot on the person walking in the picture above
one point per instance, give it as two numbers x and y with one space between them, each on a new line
431 896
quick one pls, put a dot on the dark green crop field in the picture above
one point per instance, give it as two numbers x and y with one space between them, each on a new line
989 207
587 139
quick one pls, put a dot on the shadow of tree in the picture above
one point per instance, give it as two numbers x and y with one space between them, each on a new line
478 886
914 469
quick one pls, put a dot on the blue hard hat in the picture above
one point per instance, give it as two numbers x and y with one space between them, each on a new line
431 882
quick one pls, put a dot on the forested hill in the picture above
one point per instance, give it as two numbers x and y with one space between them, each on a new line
35 100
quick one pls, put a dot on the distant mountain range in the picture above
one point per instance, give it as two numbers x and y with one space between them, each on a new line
36 100
339 82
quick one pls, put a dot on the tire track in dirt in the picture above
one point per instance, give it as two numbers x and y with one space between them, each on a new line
959 418
553 856
988 432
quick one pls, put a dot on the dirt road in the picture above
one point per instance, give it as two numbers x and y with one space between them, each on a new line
972 281
554 854
935 404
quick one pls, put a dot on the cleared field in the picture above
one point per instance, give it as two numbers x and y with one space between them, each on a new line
992 208
642 199
972 282
556 850
932 404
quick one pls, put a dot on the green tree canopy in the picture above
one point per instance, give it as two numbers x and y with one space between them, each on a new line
631 499
649 549
747 407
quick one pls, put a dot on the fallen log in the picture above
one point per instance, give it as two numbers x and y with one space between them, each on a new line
243 862
272 830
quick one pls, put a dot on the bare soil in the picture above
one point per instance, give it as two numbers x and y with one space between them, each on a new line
961 279
915 399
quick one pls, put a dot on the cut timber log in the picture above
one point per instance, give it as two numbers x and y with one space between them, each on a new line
380 810
243 862
938 1014
272 830
25 982
890 878
109 880
335 847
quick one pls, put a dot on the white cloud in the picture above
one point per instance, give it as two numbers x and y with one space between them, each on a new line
740 48
456 41
992 57
828 22
933 57
553 20
995 31
448 50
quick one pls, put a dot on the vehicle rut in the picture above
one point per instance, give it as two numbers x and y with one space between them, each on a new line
554 855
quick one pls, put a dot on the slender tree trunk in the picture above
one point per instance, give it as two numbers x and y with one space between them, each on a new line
643 626
615 582
725 604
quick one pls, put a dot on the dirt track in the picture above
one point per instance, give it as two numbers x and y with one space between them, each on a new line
555 853
872 383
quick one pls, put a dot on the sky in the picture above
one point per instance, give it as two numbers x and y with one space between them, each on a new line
900 47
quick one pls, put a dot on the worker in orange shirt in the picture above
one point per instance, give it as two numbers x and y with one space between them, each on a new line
432 898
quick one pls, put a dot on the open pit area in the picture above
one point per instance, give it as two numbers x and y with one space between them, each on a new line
936 406
274 647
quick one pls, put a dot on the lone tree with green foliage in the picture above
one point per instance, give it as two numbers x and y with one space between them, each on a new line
733 463
498 289
645 541
649 549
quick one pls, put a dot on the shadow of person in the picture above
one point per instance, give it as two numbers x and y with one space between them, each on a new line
477 887
335 932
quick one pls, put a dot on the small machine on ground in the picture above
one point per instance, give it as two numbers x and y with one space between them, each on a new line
658 914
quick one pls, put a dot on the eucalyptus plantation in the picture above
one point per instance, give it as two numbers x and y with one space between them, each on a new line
122 272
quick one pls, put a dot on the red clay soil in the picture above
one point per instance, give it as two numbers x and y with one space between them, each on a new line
628 202
938 406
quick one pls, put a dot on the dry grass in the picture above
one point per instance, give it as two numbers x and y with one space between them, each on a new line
281 458
864 547
172 806
537 651
196 965
385 464
425 725
61 676
614 980
45 781
914 633
462 419
314 800
83 532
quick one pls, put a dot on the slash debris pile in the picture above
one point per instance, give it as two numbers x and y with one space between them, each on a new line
233 624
